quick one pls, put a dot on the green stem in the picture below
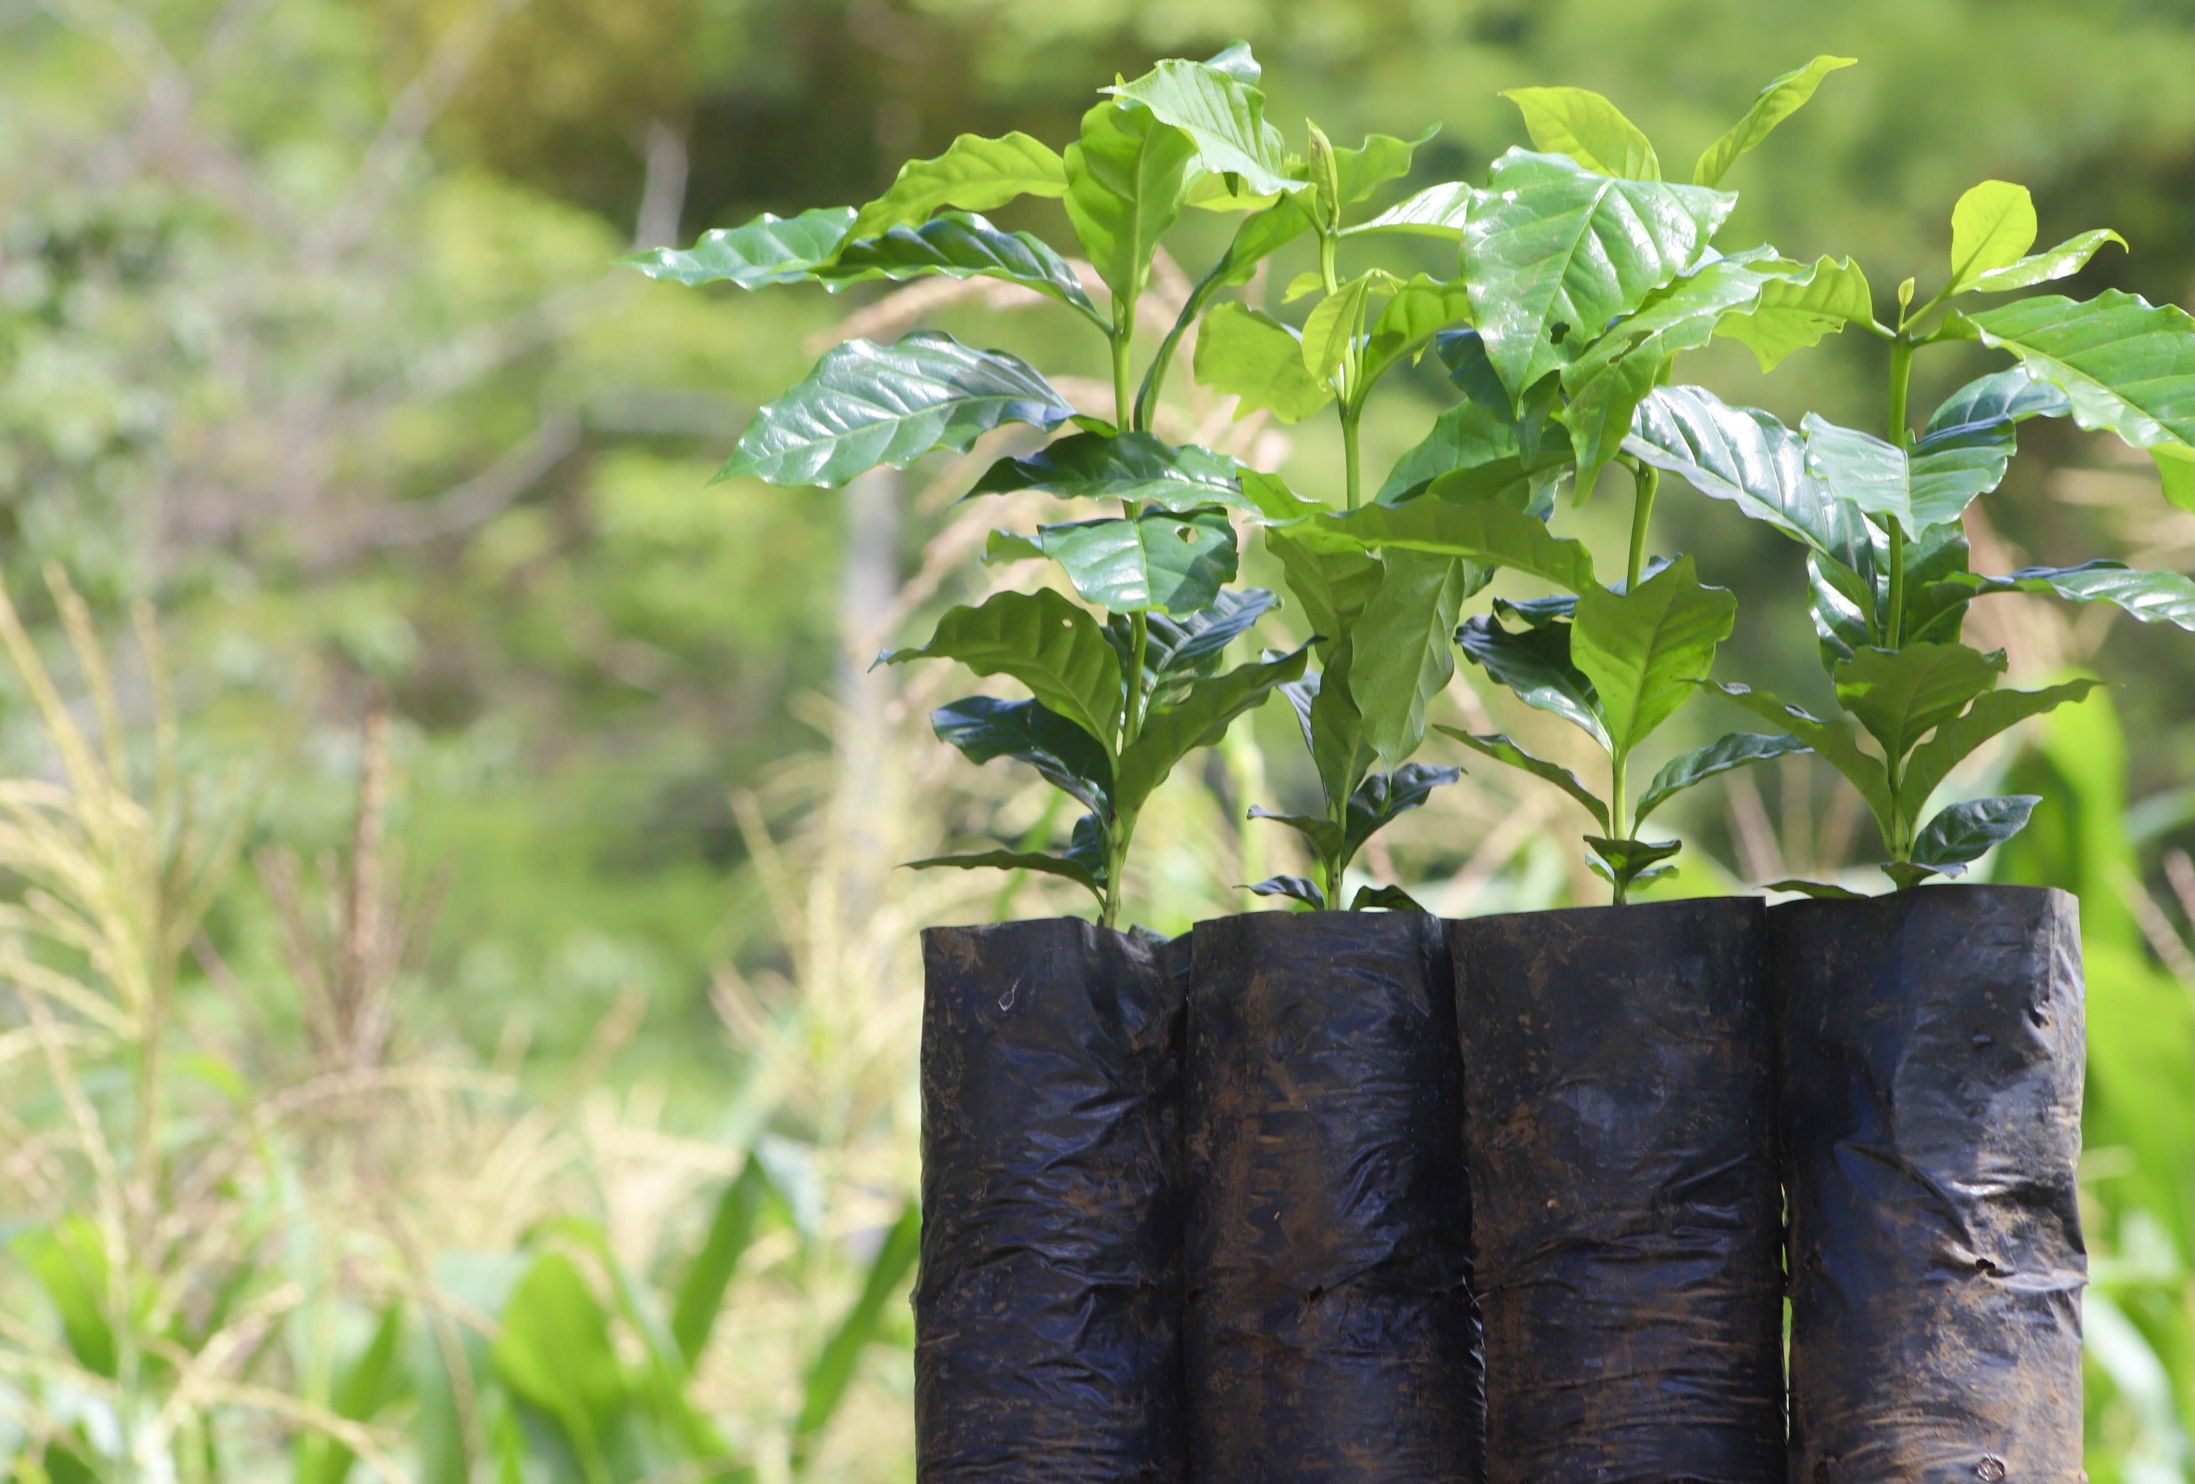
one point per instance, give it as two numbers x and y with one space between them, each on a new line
1647 481
1123 402
1901 376
1329 278
1349 416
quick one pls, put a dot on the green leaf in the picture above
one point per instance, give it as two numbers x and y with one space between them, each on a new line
974 174
1175 561
1323 835
1223 115
1899 695
1465 436
1017 860
1420 309
1126 177
1734 750
2125 364
961 245
1501 749
1495 450
1300 888
1274 502
1331 586
1333 327
2152 597
1989 402
1200 719
1992 226
1645 651
1437 211
768 250
1193 644
1833 741
1629 863
1069 758
1820 891
1402 655
1535 664
1588 128
1384 797
1489 532
1957 738
1929 487
69 1261
1795 312
1552 252
555 1352
2064 260
867 404
2176 472
1965 832
700 1295
364 1387
1775 103
1119 466
1385 899
1242 353
1333 727
1380 159
1044 641
1739 454
833 1369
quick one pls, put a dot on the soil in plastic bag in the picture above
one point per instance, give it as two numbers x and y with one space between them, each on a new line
1625 1210
1048 1303
1931 1048
1331 1330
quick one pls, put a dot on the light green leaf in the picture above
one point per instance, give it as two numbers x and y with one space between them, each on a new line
700 1295
2152 597
1535 664
1465 436
1200 719
1992 227
1402 650
555 1352
1740 454
1795 312
833 1370
1172 561
1123 466
1242 353
2176 472
867 404
1775 103
1899 695
1223 115
1333 327
2064 260
1274 502
963 246
360 1392
1965 832
1420 309
1041 639
1957 738
1126 176
1588 128
1380 159
768 250
974 174
1501 749
1646 651
1552 252
1734 750
1833 741
1437 211
1490 532
69 1262
2127 365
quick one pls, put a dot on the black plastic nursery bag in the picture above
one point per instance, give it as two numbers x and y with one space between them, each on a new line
1331 1331
1048 1305
1625 1211
1931 1065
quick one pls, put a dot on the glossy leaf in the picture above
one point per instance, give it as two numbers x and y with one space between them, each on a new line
1734 750
833 1370
1260 234
2176 473
1965 832
1123 466
1929 487
1332 329
961 245
1223 115
1175 561
1437 211
1200 719
1988 402
1333 727
1775 103
1899 695
700 1295
1402 654
1992 227
2125 364
1385 899
1242 353
1192 644
1041 639
1833 741
1381 158
1299 888
1645 651
1535 665
1740 454
1420 309
1068 757
1629 863
2067 258
1958 738
1588 128
974 174
1126 176
768 250
1488 532
1795 312
867 404
1552 252
1330 586
1501 749
1382 798
2152 597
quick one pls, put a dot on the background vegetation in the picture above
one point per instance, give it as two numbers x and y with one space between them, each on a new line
473 944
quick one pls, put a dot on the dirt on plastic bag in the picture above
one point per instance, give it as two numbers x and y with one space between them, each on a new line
1331 1331
1625 1208
1932 1050
1048 1303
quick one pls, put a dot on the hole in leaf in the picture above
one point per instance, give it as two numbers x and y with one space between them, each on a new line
1557 331
1188 534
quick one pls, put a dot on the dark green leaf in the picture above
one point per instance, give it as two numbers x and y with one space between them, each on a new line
1385 899
2125 364
1333 726
1242 353
1501 749
833 1369
1646 651
1628 863
1956 739
1121 466
1043 640
1402 648
1535 663
1992 226
1437 211
1223 115
1126 176
1738 454
960 245
1191 645
2152 597
1552 252
1821 891
1919 490
1199 719
1734 750
1795 312
1298 887
1588 128
1332 587
2064 260
768 250
1175 561
1322 834
1988 402
1465 436
1833 741
1383 797
1899 695
1965 832
974 174
984 727
866 405
1775 103
1018 860
1489 532
700 1295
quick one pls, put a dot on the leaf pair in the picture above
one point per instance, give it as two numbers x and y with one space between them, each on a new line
1377 802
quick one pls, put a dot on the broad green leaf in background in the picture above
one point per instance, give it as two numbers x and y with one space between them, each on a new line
69 1262
974 174
2126 364
1402 654
1734 750
2064 260
1775 103
1501 749
1832 741
1126 466
1223 115
768 250
1437 211
1490 532
1200 719
1963 833
1588 128
1992 227
1176 561
1739 454
1535 664
1646 651
2152 597
867 404
1929 487
1045 641
365 1386
1126 176
1957 738
1898 695
1242 353
1552 252
700 1294
1069 758
833 1369
1796 311
961 245
555 1352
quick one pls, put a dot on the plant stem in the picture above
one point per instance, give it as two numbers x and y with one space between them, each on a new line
1647 480
1901 375
1123 402
1349 416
